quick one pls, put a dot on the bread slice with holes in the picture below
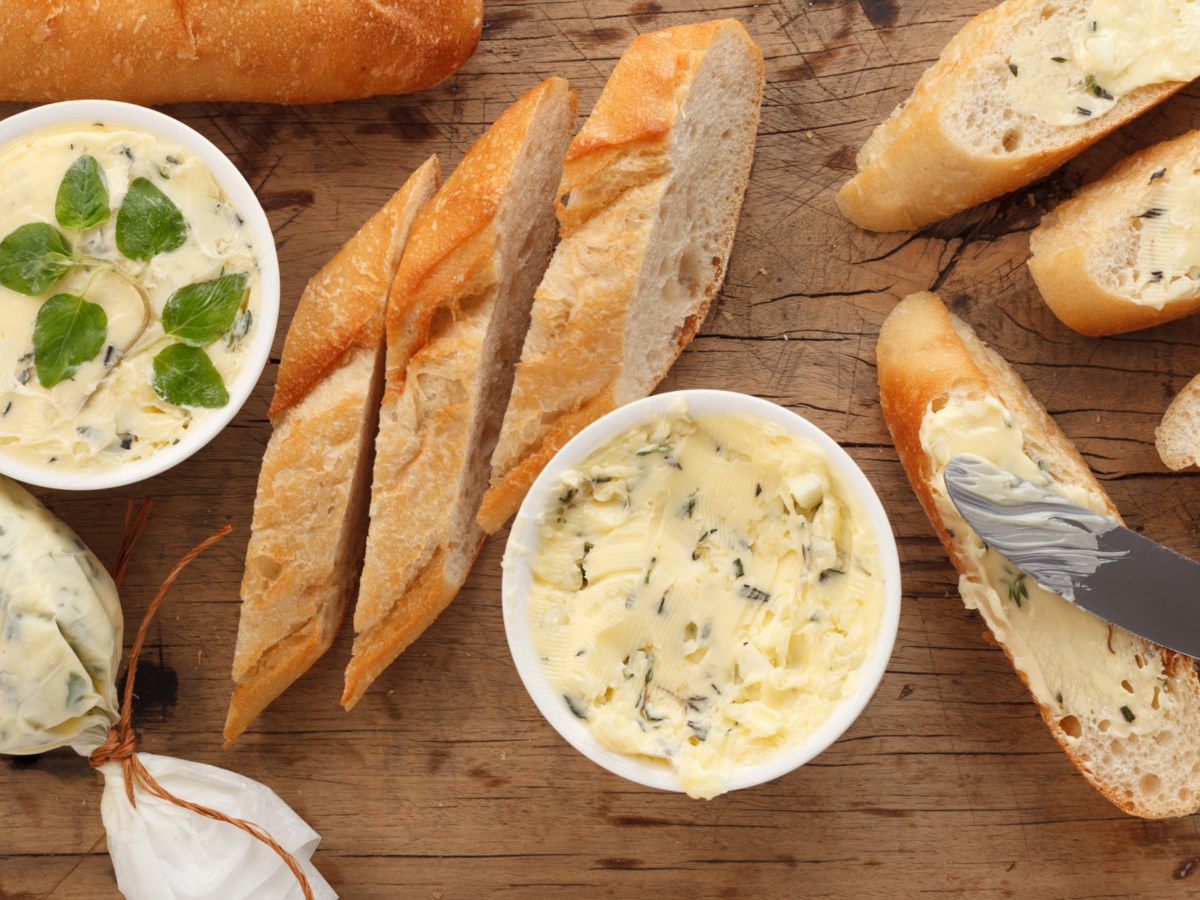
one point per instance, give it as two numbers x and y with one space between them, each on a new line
648 207
310 512
1127 712
1119 255
965 135
458 310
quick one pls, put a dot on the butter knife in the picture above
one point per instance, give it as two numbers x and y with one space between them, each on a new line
1091 560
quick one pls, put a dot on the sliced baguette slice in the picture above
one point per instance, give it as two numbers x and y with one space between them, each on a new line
1126 711
310 512
956 141
1086 252
1177 437
458 311
648 207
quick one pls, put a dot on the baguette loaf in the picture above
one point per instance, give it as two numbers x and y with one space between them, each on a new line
458 310
1115 257
310 513
1126 711
958 140
274 51
648 207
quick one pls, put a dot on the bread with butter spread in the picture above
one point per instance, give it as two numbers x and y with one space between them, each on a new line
310 511
647 211
960 139
458 309
272 51
1123 252
1126 711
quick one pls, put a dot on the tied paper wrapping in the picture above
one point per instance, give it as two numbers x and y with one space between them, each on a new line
161 851
60 640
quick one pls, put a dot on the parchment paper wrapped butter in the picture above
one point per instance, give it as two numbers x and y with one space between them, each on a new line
60 633
60 646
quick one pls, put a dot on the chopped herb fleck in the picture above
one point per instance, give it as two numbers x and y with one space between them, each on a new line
1153 213
1058 697
662 603
1090 85
1012 67
1128 714
753 593
575 707
1083 111
701 731
1159 173
602 479
738 569
653 560
690 506
757 489
830 572
1156 276
1017 589
1058 59
567 496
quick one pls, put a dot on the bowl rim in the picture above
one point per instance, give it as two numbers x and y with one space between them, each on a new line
522 541
245 202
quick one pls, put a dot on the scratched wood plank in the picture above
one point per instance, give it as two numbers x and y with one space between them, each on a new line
445 782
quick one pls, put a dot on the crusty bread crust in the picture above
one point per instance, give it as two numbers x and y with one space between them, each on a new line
914 171
1073 247
577 364
310 510
273 51
926 357
458 308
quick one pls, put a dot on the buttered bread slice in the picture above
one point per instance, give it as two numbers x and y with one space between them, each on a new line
1124 252
459 307
648 207
1017 92
1126 711
309 523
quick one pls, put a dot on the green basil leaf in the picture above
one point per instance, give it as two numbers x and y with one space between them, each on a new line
148 223
200 313
185 376
68 332
33 258
82 199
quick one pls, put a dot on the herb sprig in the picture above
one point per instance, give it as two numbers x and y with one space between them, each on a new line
71 331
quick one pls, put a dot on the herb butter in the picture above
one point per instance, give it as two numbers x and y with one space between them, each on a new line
1073 74
704 592
60 632
129 286
1071 659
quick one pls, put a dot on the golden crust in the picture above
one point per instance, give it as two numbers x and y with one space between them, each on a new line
1070 248
274 51
340 309
924 175
926 356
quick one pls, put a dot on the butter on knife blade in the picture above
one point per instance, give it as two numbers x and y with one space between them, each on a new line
1089 559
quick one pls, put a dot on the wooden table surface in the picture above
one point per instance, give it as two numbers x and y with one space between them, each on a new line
445 782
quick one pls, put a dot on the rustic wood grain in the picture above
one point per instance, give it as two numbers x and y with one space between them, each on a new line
445 782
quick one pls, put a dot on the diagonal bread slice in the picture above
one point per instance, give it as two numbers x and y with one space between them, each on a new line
648 207
310 512
1126 711
958 140
458 310
1117 256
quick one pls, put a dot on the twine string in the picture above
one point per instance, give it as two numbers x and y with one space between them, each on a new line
121 744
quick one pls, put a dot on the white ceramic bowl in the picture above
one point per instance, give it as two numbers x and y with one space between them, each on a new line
243 199
522 544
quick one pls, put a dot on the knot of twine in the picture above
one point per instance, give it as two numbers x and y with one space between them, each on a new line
121 744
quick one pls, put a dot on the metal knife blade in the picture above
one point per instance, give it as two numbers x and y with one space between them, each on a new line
1091 560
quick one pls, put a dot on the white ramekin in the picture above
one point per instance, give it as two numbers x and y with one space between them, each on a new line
243 199
522 543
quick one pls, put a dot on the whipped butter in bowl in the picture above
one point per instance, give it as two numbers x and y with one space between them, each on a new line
701 591
139 290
